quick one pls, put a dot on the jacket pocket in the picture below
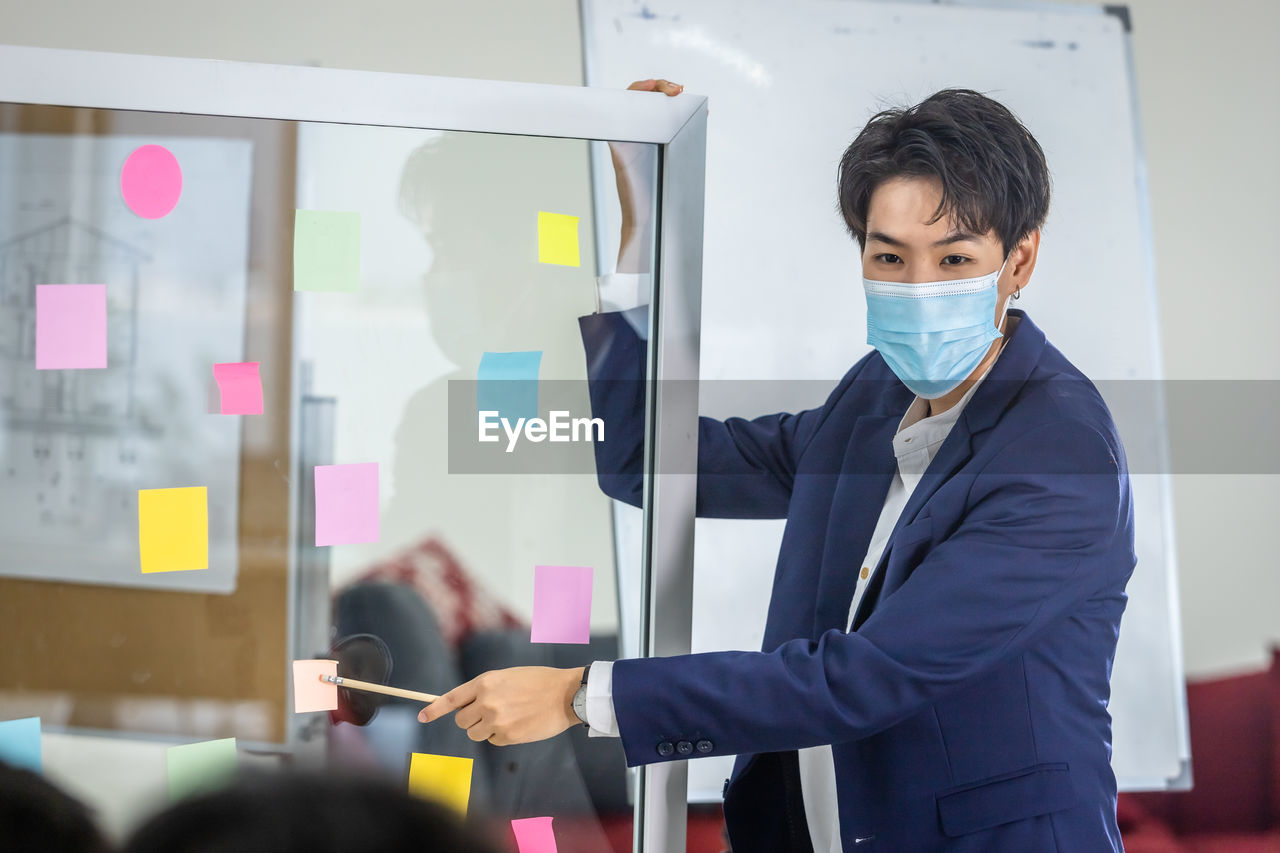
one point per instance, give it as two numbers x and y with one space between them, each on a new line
1021 794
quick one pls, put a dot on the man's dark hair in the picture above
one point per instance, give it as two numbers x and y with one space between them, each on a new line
306 812
993 173
36 815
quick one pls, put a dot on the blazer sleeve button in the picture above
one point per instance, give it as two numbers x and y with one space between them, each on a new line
705 746
665 748
684 747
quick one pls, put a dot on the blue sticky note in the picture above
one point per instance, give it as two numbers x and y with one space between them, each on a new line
508 384
20 743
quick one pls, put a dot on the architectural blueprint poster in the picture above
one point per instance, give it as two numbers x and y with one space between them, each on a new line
77 445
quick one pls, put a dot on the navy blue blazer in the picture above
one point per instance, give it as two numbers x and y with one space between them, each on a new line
967 708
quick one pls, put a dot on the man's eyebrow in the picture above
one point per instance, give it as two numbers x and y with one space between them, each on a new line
953 237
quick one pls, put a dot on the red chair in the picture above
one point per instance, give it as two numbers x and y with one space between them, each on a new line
1234 806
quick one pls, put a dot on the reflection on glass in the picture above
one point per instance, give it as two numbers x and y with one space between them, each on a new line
468 304
452 275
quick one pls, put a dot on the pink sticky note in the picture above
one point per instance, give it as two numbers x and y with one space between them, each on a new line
309 692
534 835
346 503
561 604
71 326
239 388
151 181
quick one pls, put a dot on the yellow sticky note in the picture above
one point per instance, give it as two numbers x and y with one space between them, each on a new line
557 239
441 777
173 529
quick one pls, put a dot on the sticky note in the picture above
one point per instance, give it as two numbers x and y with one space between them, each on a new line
198 767
346 503
151 181
309 692
441 777
561 604
173 529
534 835
20 743
326 250
507 383
557 239
239 388
71 326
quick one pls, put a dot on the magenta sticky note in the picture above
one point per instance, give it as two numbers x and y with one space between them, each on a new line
71 326
561 604
239 388
346 503
534 835
310 693
151 181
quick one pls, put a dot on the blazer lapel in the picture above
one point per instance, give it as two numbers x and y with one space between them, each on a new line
866 471
953 453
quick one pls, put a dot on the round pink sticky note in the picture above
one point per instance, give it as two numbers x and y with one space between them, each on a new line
151 181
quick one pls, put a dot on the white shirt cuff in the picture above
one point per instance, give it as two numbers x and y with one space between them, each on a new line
601 719
622 290
628 293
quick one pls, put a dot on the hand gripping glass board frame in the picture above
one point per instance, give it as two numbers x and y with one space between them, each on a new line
235 90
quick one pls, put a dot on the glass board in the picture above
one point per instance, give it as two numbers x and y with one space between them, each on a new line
389 286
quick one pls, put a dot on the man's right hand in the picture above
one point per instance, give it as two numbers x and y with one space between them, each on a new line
666 87
632 165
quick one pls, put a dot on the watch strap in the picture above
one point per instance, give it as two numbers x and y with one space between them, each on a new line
580 697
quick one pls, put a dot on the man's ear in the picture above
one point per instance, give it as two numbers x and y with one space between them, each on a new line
1024 260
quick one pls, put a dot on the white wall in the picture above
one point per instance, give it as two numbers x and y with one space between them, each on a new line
1209 88
1209 100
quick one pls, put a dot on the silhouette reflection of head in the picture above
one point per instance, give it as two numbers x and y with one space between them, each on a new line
475 197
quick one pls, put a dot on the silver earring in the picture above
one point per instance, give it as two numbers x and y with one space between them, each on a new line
1016 292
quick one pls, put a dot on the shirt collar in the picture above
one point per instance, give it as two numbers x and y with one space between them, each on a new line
917 420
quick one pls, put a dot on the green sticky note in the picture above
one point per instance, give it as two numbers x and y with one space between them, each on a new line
326 250
198 767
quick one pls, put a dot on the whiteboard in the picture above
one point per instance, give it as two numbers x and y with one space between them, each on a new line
790 86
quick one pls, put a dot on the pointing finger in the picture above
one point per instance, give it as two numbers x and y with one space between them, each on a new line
456 698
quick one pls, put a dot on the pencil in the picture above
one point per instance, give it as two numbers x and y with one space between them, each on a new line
369 687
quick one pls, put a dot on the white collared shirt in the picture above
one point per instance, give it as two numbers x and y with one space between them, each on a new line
915 444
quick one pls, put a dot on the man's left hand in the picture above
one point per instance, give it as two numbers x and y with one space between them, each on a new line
516 705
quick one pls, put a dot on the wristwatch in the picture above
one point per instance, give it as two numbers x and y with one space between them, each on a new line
580 697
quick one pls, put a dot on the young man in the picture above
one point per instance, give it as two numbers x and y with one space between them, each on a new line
936 664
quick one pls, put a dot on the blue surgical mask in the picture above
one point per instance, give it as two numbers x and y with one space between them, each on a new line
933 334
